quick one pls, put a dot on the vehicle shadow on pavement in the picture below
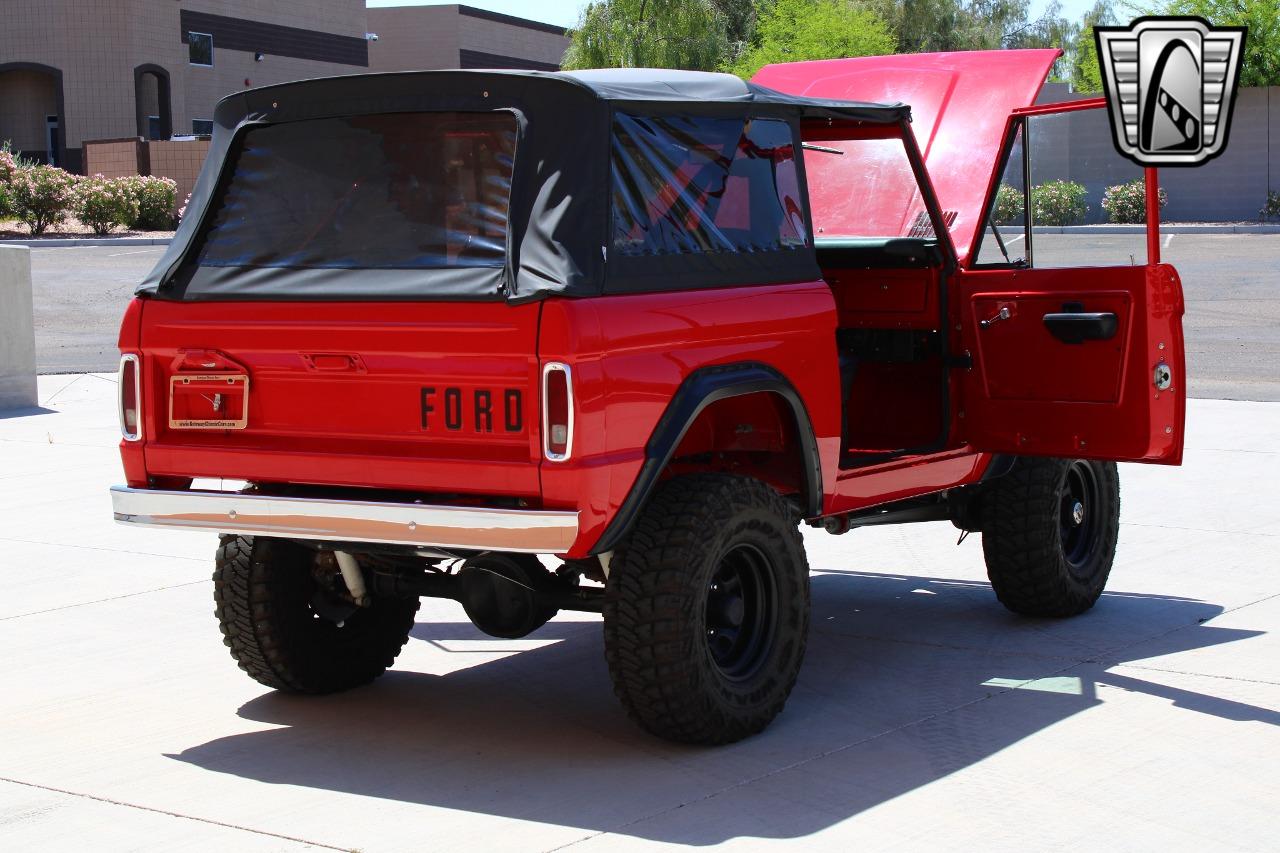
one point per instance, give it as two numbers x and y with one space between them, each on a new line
907 680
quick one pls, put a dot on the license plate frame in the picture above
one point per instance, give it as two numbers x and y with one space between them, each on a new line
234 384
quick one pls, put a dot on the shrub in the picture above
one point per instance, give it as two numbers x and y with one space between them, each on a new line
155 197
41 196
1058 203
8 166
1271 210
1126 203
1009 207
103 203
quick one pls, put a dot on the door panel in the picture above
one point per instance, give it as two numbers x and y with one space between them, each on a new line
1022 360
1054 375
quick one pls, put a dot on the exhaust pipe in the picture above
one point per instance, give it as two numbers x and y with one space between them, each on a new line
353 578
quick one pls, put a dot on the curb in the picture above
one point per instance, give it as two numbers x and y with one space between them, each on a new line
1164 229
69 242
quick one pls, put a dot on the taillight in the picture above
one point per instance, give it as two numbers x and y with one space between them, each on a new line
130 380
557 411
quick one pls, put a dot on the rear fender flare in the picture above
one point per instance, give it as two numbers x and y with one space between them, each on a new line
700 389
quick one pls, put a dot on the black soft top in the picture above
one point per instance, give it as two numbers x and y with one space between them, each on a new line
559 205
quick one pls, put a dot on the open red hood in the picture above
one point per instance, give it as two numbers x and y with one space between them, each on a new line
960 104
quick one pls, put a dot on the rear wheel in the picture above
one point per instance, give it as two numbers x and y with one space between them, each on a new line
1049 534
707 610
285 616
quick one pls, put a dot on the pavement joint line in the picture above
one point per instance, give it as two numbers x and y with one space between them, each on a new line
1262 600
1200 529
1194 674
168 813
56 394
68 385
100 600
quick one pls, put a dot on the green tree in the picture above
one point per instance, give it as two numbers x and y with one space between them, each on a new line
794 30
739 18
649 34
1082 54
1261 60
943 25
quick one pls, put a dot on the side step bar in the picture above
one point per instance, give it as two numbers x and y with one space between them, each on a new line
466 528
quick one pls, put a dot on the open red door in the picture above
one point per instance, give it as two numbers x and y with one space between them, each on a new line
1079 363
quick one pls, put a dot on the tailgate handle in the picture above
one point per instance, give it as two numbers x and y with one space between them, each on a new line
1076 327
333 362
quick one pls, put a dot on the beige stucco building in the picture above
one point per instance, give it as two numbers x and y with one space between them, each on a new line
453 36
79 70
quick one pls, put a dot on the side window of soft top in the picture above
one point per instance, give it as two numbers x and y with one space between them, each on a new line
702 184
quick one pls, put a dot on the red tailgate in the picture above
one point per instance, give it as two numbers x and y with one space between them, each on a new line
430 397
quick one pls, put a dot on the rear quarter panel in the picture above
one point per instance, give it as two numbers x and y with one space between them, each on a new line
630 353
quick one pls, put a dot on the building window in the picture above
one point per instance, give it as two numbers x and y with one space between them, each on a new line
202 126
200 46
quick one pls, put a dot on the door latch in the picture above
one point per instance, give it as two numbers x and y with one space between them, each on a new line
1002 314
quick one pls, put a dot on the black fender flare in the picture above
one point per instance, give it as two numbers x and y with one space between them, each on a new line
700 389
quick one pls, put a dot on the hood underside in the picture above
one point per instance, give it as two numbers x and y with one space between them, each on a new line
960 105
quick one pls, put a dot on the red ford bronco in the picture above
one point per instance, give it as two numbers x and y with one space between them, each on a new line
418 328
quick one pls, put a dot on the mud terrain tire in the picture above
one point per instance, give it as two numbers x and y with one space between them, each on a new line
263 590
706 610
1049 534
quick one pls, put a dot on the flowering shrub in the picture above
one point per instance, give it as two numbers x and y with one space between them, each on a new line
1058 203
103 203
1008 208
1271 210
155 197
8 166
1127 203
41 195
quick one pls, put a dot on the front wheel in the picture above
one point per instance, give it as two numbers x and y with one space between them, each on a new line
1049 533
706 610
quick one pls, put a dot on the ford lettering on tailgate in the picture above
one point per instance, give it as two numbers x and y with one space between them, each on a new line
482 410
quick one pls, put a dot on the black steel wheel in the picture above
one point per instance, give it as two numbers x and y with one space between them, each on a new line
741 611
1078 526
707 610
1049 532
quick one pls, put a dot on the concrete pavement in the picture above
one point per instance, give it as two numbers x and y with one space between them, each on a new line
926 717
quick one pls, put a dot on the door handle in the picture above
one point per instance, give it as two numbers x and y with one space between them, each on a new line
1076 327
333 362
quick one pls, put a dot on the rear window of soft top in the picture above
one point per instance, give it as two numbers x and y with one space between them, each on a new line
426 190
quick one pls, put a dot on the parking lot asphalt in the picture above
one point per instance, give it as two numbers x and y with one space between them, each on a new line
1230 282
926 716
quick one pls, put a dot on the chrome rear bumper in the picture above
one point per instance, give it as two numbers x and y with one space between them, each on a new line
467 528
